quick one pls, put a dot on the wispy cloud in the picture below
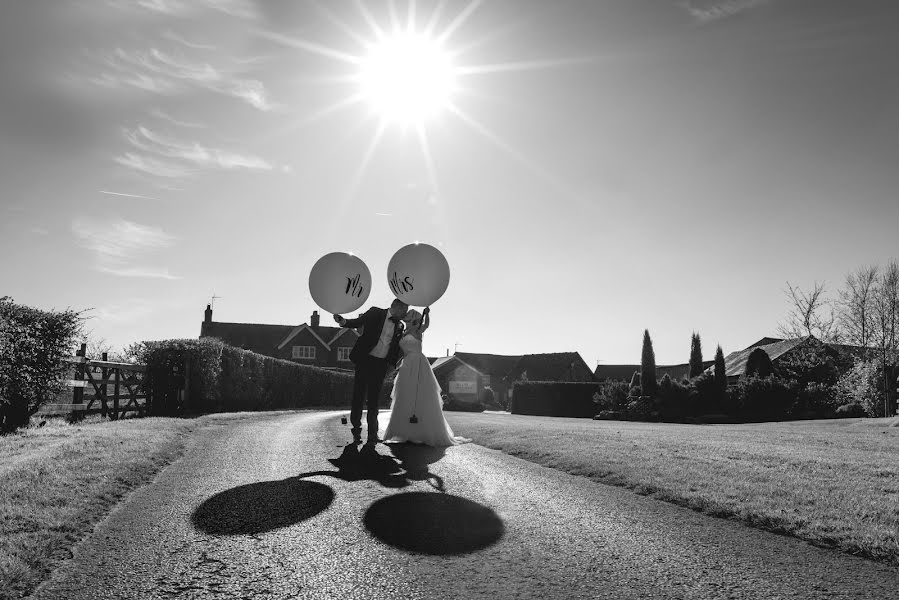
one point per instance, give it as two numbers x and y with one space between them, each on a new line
40 231
164 116
163 72
171 35
708 12
165 156
118 244
241 9
109 193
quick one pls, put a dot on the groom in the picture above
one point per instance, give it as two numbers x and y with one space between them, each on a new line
376 350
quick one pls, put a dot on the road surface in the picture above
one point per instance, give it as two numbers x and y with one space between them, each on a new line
274 505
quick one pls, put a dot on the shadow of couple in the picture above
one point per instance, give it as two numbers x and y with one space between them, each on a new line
423 522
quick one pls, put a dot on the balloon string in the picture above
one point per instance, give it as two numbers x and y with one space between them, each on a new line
417 381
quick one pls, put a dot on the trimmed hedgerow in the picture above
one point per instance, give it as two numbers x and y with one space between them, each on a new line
555 398
224 378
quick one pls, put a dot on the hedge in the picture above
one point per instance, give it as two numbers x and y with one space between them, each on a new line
554 398
34 346
225 378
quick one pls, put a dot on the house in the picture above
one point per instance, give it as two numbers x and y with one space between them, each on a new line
308 344
464 375
625 372
778 349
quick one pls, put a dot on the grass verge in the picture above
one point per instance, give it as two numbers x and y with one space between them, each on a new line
59 480
832 483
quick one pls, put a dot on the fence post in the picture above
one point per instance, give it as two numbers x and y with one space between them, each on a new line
78 392
115 392
104 374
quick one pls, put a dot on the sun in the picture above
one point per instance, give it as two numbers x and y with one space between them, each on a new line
407 77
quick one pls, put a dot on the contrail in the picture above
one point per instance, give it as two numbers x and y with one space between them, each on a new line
128 195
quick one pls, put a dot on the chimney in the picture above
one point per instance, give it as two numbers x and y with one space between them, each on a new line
208 314
314 320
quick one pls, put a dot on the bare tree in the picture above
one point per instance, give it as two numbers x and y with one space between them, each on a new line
856 306
810 314
886 319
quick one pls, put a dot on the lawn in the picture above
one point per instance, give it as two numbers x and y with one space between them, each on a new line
59 480
832 483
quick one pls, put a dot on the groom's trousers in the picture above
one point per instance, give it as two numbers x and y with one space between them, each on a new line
367 384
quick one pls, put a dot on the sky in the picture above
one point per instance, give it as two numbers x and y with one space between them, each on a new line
594 169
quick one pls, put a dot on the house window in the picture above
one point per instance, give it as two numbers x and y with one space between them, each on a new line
343 353
303 352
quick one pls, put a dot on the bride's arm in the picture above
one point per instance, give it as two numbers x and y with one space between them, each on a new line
425 320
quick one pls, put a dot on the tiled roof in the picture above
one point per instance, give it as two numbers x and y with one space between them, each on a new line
257 337
735 362
625 372
546 367
615 372
495 365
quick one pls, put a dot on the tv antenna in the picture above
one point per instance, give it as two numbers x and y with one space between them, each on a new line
212 300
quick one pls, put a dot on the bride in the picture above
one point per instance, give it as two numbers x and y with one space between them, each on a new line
416 413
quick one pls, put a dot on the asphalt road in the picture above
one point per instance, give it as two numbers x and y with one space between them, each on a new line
272 506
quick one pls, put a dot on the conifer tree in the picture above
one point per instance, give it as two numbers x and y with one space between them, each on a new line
648 366
695 356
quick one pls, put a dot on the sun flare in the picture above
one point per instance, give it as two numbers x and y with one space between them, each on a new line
407 77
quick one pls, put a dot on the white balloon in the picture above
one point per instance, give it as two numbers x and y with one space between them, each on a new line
340 282
418 274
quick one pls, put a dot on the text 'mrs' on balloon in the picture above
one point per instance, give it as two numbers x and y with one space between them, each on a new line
418 274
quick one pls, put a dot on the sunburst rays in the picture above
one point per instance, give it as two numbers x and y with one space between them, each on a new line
436 25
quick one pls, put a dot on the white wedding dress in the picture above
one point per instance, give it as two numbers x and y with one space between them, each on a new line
416 392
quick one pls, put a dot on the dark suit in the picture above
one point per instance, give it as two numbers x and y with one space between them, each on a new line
370 371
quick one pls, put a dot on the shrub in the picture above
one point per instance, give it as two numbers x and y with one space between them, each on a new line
642 408
554 398
861 385
610 415
708 397
33 347
764 398
205 358
676 400
815 401
853 410
759 364
612 396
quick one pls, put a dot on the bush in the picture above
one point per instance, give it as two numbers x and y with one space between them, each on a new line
676 400
610 415
847 411
554 398
612 396
764 398
759 364
708 396
642 408
33 347
815 401
862 385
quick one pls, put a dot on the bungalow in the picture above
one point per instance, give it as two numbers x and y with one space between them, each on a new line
308 344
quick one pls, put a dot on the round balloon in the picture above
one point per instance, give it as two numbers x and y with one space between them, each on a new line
418 274
339 282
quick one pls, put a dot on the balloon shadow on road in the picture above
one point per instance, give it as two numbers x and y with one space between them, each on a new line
262 506
409 462
433 523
